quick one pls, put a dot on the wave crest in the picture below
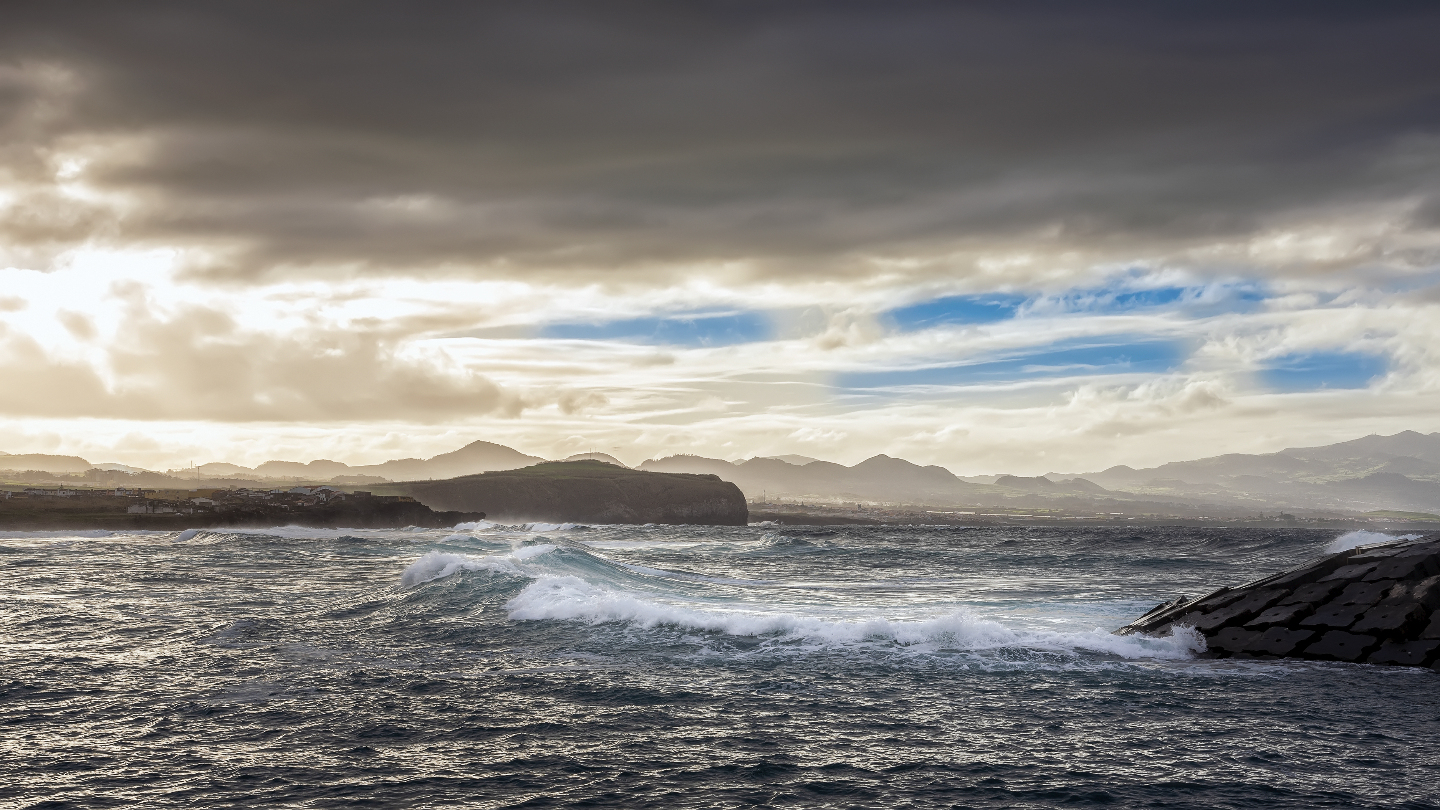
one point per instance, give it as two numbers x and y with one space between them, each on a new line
572 598
480 525
440 564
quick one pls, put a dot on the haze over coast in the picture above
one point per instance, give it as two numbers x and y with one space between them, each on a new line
1395 477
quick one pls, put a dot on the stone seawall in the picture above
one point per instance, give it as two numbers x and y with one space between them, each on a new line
1376 604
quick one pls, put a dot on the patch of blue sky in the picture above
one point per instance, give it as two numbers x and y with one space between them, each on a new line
1139 357
696 329
1203 299
955 309
1317 371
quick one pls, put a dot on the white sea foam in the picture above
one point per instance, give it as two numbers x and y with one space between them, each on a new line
440 564
1360 537
302 532
527 552
482 525
660 572
670 545
572 598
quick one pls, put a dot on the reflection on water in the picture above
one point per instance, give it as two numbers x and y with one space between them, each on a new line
494 666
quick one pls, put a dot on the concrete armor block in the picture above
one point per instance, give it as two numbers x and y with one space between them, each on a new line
1282 615
1232 639
1391 621
1338 645
1346 573
1425 592
1409 567
1407 653
1279 641
1364 593
1316 593
1334 616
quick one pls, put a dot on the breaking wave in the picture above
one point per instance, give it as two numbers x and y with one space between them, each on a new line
568 582
571 598
440 564
482 525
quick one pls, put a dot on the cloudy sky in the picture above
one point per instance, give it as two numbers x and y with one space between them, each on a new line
1000 237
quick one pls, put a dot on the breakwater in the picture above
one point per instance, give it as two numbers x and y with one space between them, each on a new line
1376 604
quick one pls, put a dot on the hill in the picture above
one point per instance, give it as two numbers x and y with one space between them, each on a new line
605 457
1405 444
1399 473
1392 474
44 463
880 478
792 458
476 457
585 492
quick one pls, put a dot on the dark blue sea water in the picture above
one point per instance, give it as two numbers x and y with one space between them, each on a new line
673 667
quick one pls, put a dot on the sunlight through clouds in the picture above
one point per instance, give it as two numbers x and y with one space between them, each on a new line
245 257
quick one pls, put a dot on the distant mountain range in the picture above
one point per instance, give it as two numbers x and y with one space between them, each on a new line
1400 473
44 463
1375 473
476 457
881 478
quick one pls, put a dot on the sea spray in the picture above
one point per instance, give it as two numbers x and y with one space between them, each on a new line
1360 537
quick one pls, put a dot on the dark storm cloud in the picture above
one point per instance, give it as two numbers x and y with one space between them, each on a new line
647 135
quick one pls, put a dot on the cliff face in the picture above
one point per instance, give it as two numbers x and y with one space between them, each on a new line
1373 604
587 492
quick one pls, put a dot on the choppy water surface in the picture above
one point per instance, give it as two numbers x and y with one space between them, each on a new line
673 667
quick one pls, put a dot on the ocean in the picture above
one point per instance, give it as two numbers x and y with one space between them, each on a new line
492 666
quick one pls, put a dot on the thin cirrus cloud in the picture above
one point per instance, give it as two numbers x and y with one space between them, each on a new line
696 329
949 231
1066 359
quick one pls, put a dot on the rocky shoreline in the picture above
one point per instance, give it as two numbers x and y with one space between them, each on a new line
1377 604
